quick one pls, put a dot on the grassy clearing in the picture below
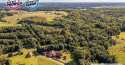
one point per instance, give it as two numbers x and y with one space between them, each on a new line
34 60
4 24
47 61
20 59
49 16
118 50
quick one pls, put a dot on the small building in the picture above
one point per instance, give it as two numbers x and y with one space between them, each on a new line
53 54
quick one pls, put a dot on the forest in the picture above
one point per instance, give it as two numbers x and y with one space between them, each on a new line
86 34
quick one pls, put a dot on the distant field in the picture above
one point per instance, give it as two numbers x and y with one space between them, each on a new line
118 50
19 15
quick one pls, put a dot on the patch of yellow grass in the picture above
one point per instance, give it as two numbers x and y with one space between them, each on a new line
119 50
49 15
16 60
34 60
47 61
4 24
20 59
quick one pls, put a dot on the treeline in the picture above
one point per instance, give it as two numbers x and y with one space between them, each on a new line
4 13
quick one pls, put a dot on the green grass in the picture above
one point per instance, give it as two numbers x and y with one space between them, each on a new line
45 61
20 59
4 24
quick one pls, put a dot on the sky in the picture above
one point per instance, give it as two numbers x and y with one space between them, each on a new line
77 0
83 0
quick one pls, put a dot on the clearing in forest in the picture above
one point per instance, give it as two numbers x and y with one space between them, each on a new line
118 50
